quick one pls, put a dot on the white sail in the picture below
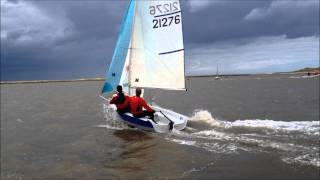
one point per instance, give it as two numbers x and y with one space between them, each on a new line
157 52
124 80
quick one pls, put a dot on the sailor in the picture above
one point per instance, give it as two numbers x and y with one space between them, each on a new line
121 101
137 104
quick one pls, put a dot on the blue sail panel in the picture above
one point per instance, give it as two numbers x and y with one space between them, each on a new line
114 73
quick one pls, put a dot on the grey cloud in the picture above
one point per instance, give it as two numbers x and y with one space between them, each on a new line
77 38
83 50
74 60
293 18
93 22
98 19
218 21
13 1
16 34
229 20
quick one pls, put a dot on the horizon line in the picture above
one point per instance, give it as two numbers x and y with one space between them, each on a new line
103 79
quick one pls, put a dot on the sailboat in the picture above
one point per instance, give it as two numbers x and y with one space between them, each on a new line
217 74
149 54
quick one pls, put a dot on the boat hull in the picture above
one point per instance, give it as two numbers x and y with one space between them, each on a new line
141 123
162 118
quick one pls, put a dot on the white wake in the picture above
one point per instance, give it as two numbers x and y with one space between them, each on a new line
296 141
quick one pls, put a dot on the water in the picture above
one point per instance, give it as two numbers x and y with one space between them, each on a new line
246 127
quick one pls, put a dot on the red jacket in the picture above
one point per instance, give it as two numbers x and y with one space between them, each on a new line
136 105
124 105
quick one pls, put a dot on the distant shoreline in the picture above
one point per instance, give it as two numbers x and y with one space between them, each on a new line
102 79
51 81
99 79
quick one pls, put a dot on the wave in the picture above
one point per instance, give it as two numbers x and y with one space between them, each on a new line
306 127
204 116
110 127
295 142
112 118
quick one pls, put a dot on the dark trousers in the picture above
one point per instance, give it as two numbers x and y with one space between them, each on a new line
145 113
121 111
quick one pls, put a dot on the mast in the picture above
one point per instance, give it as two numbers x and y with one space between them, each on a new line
184 55
129 72
131 48
217 72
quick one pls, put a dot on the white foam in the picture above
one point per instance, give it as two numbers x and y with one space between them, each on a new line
267 136
184 142
219 147
306 127
206 117
110 127
112 118
302 77
213 134
305 159
19 120
197 169
226 143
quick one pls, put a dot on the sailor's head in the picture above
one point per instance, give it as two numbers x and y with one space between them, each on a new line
138 92
119 88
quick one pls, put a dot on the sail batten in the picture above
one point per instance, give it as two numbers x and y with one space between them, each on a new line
167 14
171 52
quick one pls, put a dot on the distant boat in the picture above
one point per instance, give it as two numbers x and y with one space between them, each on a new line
150 54
217 77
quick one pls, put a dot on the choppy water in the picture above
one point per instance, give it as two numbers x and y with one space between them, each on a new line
246 127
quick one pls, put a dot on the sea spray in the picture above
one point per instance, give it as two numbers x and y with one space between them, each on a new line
294 141
112 118
227 137
205 117
303 127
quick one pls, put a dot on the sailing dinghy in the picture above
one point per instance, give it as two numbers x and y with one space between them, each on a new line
150 54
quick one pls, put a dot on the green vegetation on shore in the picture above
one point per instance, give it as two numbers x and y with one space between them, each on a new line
308 69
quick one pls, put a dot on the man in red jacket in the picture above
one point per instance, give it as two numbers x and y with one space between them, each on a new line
121 101
137 104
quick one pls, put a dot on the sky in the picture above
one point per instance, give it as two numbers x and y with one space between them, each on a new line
69 39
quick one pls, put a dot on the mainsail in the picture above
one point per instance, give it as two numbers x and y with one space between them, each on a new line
149 52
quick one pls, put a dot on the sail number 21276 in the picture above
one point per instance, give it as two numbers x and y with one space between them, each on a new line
166 21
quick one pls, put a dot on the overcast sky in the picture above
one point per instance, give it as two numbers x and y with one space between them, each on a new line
66 39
